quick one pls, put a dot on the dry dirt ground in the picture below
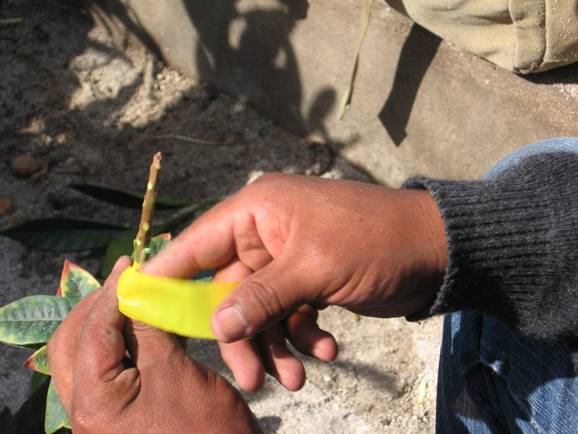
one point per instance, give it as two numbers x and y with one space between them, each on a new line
93 112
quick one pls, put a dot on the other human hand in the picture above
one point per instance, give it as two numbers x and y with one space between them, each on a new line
117 376
297 243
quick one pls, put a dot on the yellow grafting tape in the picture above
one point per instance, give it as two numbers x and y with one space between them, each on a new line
183 307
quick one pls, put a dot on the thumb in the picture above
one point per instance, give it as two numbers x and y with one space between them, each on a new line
260 300
148 345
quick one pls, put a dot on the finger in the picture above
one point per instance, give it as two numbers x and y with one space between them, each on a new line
306 336
149 346
250 248
62 344
279 361
101 348
262 299
62 348
234 271
244 360
207 243
243 357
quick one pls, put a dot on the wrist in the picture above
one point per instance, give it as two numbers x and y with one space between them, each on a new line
432 254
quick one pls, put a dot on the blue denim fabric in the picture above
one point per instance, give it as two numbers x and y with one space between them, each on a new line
494 380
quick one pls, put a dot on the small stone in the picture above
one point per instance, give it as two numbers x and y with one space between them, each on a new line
5 206
24 166
386 422
61 138
422 391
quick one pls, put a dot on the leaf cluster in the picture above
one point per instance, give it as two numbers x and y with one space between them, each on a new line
30 322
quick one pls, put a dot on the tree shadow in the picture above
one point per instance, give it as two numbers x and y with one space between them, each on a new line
251 51
417 53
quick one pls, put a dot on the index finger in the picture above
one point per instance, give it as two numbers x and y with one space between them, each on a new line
207 243
100 348
62 346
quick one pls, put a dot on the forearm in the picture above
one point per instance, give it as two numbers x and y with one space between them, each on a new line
513 245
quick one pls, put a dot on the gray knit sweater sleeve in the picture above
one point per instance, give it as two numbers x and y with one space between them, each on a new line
513 245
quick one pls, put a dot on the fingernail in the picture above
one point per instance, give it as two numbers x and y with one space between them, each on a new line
230 324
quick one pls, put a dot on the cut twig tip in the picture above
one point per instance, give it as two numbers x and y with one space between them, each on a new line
141 242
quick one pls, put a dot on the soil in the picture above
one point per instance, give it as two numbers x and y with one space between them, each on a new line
87 110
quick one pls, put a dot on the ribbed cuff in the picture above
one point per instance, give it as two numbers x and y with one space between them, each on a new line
498 241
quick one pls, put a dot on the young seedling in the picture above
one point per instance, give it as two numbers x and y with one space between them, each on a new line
31 321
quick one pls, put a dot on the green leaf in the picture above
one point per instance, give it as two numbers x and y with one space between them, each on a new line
32 320
63 235
76 283
55 417
36 381
126 199
157 244
123 246
120 247
38 361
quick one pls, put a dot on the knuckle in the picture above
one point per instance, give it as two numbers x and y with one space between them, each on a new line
265 300
84 421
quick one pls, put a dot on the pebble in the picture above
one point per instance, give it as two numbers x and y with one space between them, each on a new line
5 206
24 166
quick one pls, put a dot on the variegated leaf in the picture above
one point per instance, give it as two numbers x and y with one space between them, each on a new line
39 361
157 244
55 418
32 320
76 283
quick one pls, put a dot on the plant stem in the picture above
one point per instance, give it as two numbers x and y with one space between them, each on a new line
142 239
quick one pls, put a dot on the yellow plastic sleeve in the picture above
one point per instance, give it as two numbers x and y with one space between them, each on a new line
183 307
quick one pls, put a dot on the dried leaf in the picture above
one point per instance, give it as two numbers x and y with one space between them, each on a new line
364 20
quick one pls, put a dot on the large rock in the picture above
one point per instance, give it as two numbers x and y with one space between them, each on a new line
419 106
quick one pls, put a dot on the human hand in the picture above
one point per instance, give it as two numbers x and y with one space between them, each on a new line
116 376
297 242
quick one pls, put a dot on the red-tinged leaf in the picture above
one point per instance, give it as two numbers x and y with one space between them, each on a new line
76 283
38 361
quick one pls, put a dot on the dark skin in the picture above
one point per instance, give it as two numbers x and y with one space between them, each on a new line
296 244
125 377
